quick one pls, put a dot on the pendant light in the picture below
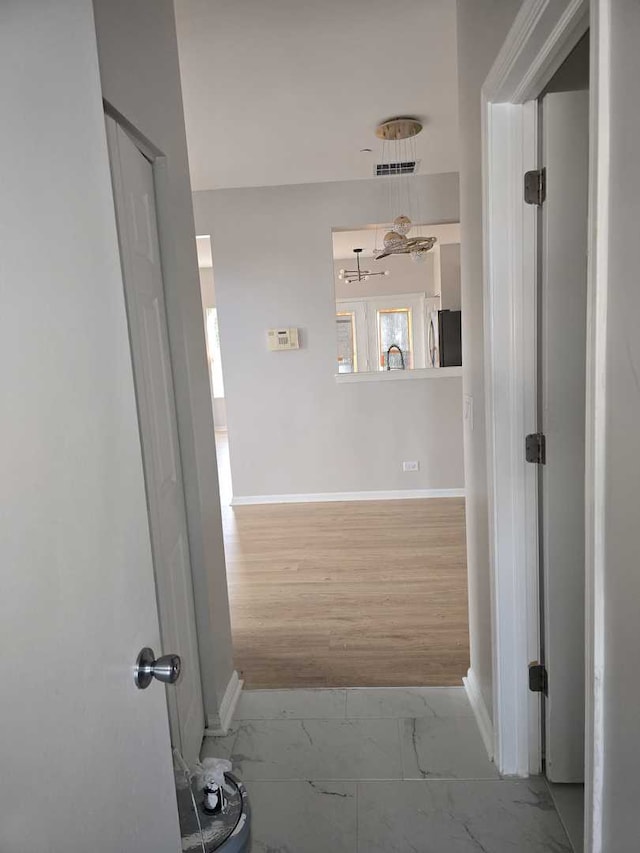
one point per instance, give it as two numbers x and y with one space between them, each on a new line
398 160
357 275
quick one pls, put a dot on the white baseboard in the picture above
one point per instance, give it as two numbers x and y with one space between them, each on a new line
480 710
219 725
324 497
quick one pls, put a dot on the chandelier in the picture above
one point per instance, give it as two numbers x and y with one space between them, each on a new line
399 150
351 276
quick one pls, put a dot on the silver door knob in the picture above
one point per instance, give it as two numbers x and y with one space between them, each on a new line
166 668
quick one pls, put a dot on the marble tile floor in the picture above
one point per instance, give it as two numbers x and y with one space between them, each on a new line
380 770
569 803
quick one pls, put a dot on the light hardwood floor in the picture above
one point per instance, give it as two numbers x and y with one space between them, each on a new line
370 593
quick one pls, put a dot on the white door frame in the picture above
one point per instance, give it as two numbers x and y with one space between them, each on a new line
542 36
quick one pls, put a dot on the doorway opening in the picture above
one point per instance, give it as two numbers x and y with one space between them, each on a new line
344 588
280 267
212 331
216 379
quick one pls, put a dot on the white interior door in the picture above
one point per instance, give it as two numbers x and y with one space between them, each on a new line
136 217
565 134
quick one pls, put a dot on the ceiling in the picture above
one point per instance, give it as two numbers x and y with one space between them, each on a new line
289 91
344 242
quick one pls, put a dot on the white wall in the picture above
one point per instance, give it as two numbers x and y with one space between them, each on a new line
622 456
482 28
140 79
292 428
450 276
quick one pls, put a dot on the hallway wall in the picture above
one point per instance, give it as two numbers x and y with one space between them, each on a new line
618 622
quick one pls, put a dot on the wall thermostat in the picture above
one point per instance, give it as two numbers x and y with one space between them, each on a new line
281 339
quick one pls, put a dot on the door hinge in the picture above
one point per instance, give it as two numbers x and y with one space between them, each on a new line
537 678
535 448
535 186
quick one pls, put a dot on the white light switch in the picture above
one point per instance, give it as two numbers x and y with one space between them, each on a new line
411 466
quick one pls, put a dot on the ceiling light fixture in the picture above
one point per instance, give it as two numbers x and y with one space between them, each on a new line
398 146
352 276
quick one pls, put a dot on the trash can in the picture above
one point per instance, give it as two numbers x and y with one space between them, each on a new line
227 831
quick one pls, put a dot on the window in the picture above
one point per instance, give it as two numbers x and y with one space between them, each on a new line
213 353
379 332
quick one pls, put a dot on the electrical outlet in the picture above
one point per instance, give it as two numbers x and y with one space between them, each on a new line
411 466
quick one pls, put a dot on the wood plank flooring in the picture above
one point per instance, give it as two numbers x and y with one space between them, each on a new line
370 593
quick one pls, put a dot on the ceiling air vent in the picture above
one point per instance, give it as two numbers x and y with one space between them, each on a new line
408 167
